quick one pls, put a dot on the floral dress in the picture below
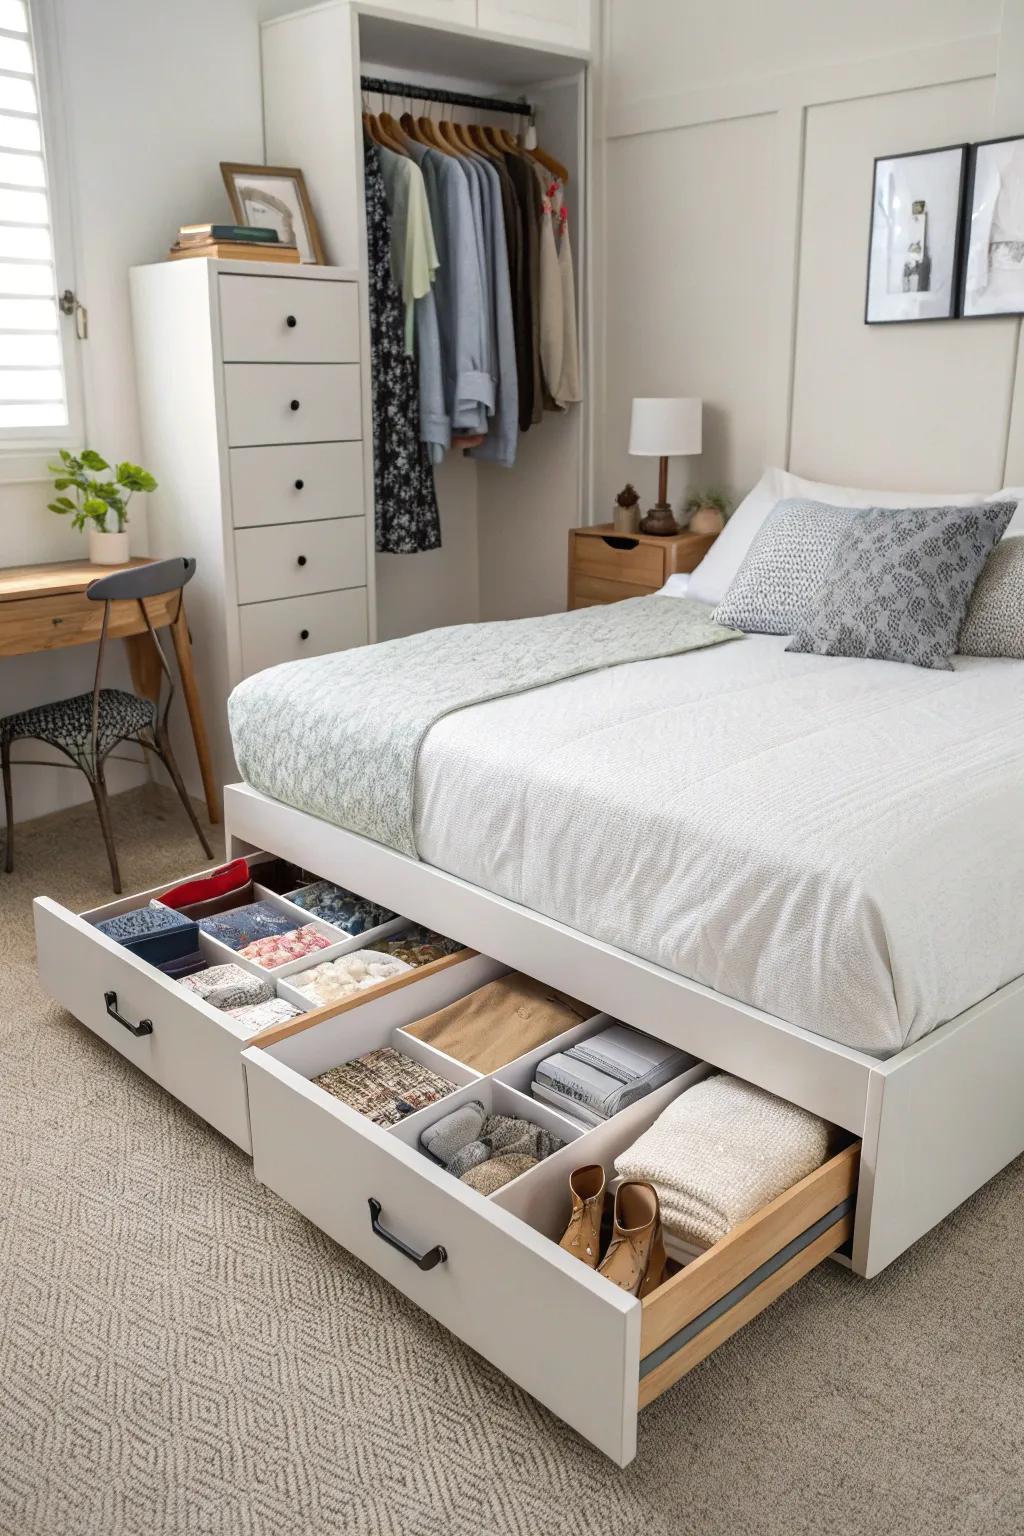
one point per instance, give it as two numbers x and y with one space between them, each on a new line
407 517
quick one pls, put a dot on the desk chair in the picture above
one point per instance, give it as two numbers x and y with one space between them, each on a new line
88 727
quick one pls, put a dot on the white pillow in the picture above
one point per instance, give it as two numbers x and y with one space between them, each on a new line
715 573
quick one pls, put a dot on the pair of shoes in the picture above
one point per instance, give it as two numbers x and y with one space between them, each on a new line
635 1259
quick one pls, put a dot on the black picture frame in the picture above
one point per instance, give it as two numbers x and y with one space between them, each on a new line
965 237
957 237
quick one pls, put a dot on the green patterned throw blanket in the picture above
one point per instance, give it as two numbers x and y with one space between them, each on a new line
339 736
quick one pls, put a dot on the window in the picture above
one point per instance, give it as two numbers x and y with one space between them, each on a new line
34 394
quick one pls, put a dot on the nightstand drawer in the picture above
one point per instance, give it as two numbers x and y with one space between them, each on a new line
619 558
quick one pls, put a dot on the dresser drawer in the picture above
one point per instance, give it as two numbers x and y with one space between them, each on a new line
291 402
296 483
288 320
291 560
292 627
625 560
490 1268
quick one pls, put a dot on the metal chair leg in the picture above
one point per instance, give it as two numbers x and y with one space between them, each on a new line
5 752
163 748
99 793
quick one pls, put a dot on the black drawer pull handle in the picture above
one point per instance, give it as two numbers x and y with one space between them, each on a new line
303 634
301 560
429 1260
619 543
295 405
291 322
299 484
143 1027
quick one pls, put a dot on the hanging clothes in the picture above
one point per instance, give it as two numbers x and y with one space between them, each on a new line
502 438
559 340
408 520
531 387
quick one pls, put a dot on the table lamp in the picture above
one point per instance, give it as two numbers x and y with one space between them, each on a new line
664 429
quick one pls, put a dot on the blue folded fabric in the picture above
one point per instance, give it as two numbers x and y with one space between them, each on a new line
243 925
333 904
156 934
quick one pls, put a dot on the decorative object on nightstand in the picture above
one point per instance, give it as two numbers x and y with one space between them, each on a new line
275 197
706 512
606 565
97 500
664 429
626 512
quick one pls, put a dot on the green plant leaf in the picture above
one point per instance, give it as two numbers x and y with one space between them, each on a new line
65 456
53 506
92 460
134 478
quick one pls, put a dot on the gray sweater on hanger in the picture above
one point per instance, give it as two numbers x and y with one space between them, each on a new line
462 313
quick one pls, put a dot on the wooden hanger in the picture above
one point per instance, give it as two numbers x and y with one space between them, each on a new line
375 129
412 130
431 136
548 162
449 131
393 131
480 141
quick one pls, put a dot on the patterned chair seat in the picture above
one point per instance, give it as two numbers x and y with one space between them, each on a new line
68 723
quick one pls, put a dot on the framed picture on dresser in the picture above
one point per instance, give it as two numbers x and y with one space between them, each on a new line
275 197
915 239
993 266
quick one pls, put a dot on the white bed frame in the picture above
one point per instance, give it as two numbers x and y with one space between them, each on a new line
936 1121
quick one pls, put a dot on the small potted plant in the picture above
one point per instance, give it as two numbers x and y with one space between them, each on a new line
706 512
626 512
97 503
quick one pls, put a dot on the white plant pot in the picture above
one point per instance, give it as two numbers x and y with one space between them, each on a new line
108 548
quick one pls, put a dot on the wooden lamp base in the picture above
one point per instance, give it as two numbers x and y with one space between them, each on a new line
660 519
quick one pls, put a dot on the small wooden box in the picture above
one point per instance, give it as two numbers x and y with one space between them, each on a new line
605 566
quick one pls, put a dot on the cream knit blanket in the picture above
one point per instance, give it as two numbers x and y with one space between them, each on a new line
721 1151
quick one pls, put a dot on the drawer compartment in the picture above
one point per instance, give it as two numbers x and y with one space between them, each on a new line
600 589
290 560
292 627
641 565
288 320
490 1268
298 483
291 402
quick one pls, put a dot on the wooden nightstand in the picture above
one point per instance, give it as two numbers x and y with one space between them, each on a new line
605 566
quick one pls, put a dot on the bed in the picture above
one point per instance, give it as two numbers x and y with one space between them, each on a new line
804 869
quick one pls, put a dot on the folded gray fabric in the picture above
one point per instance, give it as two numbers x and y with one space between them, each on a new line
607 1072
453 1131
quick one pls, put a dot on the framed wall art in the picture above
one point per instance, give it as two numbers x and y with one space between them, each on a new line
993 266
274 197
915 239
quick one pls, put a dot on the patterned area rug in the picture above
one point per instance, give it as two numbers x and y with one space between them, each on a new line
180 1352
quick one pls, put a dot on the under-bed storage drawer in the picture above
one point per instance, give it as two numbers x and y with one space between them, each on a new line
186 1046
490 1268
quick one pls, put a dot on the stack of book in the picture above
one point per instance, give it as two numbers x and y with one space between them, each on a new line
234 241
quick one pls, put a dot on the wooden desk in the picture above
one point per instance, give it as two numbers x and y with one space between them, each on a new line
44 608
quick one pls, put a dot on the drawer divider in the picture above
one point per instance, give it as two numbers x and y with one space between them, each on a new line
746 1286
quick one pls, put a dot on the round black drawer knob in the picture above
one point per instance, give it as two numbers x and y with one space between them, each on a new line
291 322
303 634
301 560
295 405
299 484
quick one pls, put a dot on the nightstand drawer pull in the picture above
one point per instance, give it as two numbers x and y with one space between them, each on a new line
619 543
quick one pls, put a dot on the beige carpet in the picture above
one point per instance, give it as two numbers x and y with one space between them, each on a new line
180 1352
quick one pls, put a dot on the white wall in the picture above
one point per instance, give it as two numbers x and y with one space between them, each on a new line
156 95
739 141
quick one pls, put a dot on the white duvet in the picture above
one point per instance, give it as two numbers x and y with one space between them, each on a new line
838 842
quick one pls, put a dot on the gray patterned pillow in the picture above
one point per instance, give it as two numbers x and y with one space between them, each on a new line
900 583
994 625
784 567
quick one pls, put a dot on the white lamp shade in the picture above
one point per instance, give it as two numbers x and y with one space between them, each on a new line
665 428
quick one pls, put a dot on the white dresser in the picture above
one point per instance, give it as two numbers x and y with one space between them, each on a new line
253 401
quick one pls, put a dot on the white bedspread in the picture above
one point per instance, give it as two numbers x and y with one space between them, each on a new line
838 842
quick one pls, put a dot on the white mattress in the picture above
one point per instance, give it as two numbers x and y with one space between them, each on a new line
840 843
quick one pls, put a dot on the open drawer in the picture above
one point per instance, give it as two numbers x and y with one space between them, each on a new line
489 1267
182 1042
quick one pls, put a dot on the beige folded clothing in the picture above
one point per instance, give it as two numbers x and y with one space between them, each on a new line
498 1022
721 1151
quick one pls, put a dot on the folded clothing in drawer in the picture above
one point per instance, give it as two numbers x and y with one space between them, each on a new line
419 946
155 933
243 925
720 1152
281 948
385 1085
201 888
498 1022
228 987
333 904
486 1151
257 1016
597 1077
334 980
